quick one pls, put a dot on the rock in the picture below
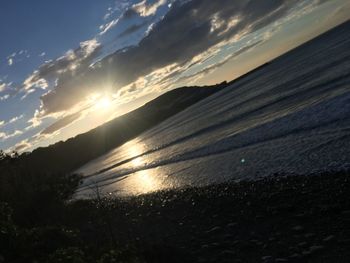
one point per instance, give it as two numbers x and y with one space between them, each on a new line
312 250
214 229
300 215
232 224
281 260
329 238
346 213
298 228
302 244
228 236
266 258
306 252
315 248
295 256
308 235
228 253
215 244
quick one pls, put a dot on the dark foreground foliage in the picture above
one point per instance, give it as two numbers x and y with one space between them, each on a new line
276 219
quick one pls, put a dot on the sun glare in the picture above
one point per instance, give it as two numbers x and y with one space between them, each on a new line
104 103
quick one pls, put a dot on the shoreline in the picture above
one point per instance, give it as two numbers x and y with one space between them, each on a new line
276 219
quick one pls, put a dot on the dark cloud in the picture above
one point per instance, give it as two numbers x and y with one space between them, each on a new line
70 64
187 30
21 146
213 67
129 13
61 123
130 30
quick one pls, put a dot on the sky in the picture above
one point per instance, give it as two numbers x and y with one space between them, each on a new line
69 66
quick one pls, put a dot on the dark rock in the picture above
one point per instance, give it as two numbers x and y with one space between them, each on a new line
303 244
308 235
281 260
298 228
228 253
346 213
232 224
295 256
315 248
266 258
329 238
214 229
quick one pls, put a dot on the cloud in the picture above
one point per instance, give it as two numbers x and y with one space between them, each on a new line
144 8
11 121
2 87
35 121
62 71
5 97
68 64
18 56
4 136
21 146
16 118
63 122
189 29
219 64
127 13
130 30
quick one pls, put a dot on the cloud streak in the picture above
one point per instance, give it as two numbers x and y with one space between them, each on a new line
61 123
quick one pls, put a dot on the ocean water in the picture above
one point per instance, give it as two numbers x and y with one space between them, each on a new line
291 116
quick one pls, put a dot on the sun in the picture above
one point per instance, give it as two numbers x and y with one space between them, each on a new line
104 103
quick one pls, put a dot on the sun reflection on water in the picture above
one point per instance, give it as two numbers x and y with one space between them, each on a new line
142 181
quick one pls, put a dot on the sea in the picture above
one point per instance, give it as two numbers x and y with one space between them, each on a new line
291 116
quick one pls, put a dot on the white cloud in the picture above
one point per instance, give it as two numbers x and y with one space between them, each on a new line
104 28
35 121
2 87
16 118
34 81
20 55
11 121
4 136
5 97
144 9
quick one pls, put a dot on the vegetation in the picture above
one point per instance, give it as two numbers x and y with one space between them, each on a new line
275 219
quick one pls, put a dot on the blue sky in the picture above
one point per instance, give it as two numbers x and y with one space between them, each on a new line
69 66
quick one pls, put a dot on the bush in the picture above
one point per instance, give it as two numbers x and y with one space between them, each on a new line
67 255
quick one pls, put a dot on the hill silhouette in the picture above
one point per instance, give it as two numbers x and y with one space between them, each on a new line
66 156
